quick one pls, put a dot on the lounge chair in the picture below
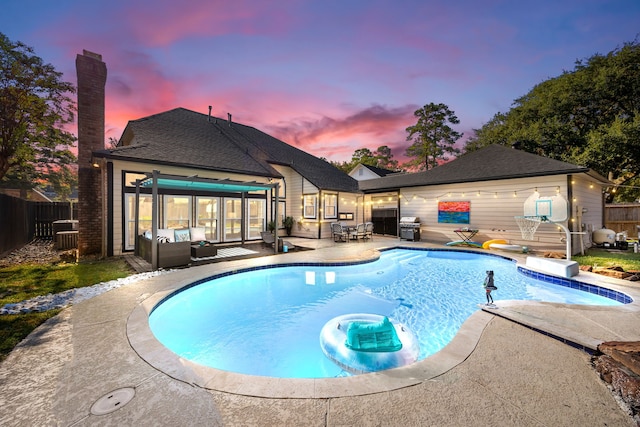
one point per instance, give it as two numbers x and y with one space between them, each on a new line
359 232
368 230
338 233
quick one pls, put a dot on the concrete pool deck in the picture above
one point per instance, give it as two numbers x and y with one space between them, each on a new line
495 372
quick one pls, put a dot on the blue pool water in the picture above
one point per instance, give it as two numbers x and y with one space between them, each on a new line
267 322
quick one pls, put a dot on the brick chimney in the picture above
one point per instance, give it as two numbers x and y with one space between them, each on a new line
92 76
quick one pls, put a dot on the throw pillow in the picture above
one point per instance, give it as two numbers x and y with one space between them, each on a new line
197 234
182 235
166 233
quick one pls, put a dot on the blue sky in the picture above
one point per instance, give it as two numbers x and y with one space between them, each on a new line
329 77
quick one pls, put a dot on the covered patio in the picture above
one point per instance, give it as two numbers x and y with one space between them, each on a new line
156 181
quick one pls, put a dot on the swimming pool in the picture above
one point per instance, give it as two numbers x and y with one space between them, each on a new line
267 321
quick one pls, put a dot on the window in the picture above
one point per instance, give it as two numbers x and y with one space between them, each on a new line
177 211
232 219
310 205
255 218
282 211
283 189
144 216
330 206
207 216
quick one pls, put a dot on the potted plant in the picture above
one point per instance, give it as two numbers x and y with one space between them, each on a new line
271 226
288 224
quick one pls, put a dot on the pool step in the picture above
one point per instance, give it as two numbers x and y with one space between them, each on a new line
409 259
405 256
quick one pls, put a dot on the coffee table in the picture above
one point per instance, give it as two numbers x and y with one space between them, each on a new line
205 251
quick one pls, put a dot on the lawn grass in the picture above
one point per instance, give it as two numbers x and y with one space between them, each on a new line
628 260
25 281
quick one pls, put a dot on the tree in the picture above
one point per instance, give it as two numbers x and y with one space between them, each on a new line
432 137
363 156
63 181
35 105
589 116
384 158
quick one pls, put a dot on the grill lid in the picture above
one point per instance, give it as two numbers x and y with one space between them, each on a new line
409 219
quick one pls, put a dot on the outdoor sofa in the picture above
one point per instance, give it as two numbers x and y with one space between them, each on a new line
175 247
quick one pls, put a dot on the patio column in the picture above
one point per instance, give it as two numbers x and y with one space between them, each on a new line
154 221
275 216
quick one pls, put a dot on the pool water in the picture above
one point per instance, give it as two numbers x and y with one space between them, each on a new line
267 322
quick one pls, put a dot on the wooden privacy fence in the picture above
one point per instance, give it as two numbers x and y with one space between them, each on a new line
623 217
24 220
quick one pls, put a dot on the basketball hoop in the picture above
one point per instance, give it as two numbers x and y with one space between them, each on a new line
528 225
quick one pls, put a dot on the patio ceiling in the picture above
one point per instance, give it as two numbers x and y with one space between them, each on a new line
204 184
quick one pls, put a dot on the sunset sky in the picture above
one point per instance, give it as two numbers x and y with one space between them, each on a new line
328 76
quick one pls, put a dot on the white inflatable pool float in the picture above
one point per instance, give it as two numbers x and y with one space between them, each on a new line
506 247
368 357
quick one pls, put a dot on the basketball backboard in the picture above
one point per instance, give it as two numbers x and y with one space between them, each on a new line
554 208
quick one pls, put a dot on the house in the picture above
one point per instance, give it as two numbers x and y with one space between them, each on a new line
192 169
184 143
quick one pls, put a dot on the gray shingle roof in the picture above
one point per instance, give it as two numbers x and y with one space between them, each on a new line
186 138
491 163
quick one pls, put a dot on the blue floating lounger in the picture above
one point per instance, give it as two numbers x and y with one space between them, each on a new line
376 337
361 343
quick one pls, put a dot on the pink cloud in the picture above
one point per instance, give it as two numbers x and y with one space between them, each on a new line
339 136
161 23
376 120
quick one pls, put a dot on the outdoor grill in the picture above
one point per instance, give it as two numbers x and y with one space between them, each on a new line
410 228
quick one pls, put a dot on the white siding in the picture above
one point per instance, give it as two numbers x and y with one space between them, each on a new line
587 210
494 204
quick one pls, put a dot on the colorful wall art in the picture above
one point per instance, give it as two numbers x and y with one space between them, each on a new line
454 212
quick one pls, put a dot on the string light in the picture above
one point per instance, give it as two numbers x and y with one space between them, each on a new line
450 194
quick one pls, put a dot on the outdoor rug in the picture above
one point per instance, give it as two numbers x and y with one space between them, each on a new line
226 253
